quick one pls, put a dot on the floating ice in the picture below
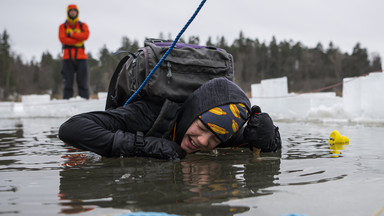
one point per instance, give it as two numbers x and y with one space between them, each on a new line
363 97
363 100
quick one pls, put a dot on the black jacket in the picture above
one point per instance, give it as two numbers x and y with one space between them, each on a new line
111 133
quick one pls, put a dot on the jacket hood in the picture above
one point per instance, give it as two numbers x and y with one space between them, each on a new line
216 92
76 19
72 6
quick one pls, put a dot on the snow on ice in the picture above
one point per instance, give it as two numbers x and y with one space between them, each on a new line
362 101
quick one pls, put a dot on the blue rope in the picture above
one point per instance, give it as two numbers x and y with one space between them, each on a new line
166 54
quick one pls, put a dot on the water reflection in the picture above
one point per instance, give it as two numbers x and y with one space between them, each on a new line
28 144
178 187
306 146
37 169
319 166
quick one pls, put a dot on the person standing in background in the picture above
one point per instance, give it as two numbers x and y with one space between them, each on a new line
72 34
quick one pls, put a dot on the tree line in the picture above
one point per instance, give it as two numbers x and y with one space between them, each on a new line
306 68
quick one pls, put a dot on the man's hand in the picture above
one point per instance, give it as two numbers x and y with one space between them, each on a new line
162 148
260 132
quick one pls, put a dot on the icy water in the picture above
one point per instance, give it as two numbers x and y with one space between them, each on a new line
39 175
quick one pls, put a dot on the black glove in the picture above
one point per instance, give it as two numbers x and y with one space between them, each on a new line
260 131
162 148
128 144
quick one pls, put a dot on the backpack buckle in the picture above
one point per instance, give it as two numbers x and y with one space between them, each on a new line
139 142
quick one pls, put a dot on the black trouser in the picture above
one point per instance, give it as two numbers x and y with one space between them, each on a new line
70 67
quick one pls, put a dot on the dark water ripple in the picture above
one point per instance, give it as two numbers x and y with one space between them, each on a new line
33 161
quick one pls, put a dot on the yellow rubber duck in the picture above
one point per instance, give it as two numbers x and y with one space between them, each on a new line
336 142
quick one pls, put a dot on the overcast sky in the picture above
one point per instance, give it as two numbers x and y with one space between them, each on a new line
33 24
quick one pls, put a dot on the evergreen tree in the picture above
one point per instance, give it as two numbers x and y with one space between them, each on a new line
194 40
209 42
127 45
306 68
274 59
48 73
357 63
376 63
5 59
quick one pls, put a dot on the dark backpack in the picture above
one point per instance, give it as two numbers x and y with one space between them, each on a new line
184 70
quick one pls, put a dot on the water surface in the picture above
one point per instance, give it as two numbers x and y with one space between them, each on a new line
40 175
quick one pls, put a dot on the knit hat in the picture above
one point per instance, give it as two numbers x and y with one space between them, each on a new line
225 120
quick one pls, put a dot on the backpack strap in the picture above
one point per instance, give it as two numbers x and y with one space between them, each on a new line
111 96
80 24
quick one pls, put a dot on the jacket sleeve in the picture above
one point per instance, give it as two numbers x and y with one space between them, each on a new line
83 35
100 131
76 37
63 37
139 145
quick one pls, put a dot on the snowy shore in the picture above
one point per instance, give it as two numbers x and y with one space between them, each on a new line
362 101
41 106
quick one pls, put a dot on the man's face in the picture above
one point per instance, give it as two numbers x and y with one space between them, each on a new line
72 13
198 137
